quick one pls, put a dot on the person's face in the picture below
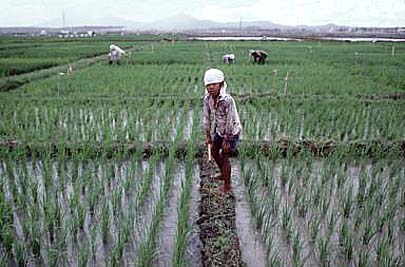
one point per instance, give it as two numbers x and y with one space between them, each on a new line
214 88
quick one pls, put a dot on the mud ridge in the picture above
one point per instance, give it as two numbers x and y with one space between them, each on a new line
280 147
217 220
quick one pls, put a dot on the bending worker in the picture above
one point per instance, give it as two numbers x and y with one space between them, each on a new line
115 54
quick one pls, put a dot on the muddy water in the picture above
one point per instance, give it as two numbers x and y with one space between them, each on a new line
322 175
168 226
194 244
189 125
252 247
143 219
250 238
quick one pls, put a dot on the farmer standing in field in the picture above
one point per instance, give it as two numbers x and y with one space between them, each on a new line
219 106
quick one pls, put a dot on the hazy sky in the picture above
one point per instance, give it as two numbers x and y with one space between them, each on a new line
288 12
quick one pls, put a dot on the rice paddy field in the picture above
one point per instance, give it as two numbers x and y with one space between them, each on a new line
107 166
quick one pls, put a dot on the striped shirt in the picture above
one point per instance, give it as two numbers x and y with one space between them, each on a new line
224 114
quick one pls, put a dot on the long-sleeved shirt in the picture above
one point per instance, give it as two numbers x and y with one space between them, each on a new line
223 113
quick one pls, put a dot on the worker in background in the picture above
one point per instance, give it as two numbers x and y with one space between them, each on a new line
228 58
259 56
115 54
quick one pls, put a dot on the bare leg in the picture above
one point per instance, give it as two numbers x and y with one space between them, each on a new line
215 155
226 171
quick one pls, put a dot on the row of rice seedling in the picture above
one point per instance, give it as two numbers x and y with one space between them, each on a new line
91 123
185 223
341 120
132 81
149 245
163 68
328 68
328 212
80 212
156 121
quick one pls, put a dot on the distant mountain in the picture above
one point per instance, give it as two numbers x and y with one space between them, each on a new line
185 23
181 22
178 22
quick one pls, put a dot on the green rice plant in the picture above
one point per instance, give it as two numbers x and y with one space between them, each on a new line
301 203
346 239
116 201
105 220
323 246
6 219
347 203
183 227
148 247
287 222
74 206
297 248
284 175
316 195
314 227
84 254
383 253
35 241
50 216
122 238
242 157
5 260
12 180
7 236
61 245
251 184
275 260
325 203
20 253
52 255
269 243
331 224
364 258
130 179
93 243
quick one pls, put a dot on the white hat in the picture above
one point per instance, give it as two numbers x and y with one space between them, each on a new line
213 76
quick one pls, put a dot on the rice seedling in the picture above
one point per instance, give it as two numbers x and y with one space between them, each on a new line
297 247
346 239
287 222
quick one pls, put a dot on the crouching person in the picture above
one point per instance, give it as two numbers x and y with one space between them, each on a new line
229 58
259 56
115 54
222 133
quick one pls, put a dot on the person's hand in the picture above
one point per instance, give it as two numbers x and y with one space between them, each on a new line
226 146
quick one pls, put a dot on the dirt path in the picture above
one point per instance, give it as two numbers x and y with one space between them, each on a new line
217 221
15 81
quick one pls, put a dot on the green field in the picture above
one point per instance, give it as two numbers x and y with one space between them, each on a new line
321 155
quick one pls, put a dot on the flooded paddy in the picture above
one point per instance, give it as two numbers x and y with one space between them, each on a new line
286 212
